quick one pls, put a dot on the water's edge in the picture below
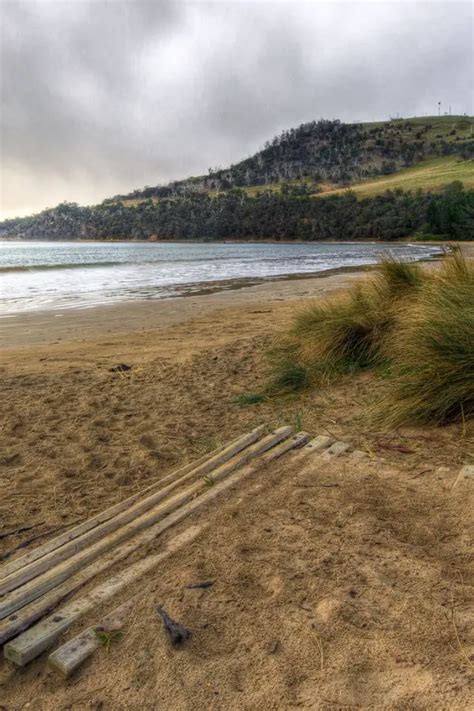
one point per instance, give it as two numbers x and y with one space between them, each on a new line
44 287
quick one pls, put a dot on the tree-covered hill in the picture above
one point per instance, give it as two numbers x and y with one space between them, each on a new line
296 188
332 152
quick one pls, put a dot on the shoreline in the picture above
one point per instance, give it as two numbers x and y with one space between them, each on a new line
121 319
403 240
194 289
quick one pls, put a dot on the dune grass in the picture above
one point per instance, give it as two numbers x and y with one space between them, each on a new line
343 334
432 351
414 327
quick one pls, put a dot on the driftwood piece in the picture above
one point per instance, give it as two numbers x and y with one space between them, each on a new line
177 633
54 543
38 638
19 529
200 586
75 651
123 517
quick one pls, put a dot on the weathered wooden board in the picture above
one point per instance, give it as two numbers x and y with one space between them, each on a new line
336 449
39 637
51 578
35 640
75 651
73 541
102 516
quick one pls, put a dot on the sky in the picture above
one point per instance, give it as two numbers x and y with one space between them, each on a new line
99 97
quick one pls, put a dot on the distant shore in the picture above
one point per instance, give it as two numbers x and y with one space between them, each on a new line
403 240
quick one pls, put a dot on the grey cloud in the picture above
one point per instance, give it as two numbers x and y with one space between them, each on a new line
102 96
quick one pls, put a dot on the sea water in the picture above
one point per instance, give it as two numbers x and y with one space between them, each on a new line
59 275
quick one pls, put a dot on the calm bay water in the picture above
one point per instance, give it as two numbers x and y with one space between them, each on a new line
60 275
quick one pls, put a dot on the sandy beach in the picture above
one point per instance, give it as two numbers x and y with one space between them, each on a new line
319 602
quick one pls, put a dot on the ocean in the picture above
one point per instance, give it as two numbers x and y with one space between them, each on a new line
66 275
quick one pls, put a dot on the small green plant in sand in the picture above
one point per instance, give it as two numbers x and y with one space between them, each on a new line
247 399
108 638
413 327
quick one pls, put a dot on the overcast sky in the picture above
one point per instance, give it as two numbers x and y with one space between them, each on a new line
104 96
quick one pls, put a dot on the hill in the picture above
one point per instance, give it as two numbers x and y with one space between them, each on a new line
323 151
404 177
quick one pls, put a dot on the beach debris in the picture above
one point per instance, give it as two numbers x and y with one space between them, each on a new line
273 646
34 584
20 529
467 472
177 633
120 368
336 449
205 584
67 658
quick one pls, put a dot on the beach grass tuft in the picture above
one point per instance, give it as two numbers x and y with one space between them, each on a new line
432 351
413 327
342 334
248 399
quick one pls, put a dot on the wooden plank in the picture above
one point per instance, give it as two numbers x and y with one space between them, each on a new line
75 651
336 449
320 443
25 647
9 568
294 442
99 530
51 578
25 617
37 639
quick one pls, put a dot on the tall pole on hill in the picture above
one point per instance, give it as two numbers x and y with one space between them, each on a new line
439 108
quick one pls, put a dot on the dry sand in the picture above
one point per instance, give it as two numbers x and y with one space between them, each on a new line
341 587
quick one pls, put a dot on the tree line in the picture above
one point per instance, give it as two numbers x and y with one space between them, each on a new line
290 214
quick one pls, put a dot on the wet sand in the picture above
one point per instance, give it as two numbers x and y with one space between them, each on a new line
54 326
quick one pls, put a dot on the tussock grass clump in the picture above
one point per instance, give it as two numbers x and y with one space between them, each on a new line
340 335
345 333
432 351
288 374
418 325
396 279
